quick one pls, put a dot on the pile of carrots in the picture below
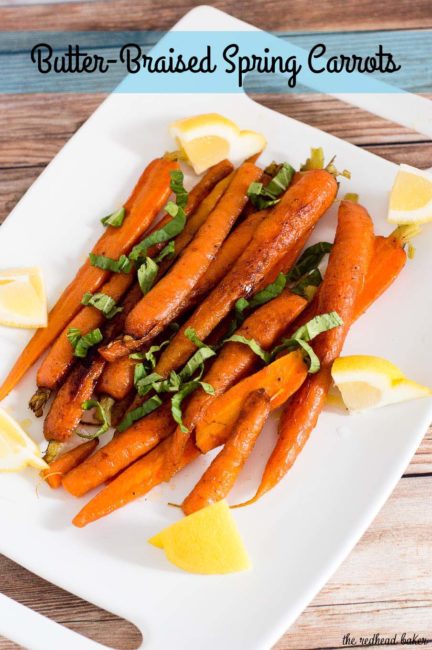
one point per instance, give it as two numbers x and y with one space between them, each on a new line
199 325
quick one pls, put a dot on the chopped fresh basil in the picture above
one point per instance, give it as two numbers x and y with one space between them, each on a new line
306 333
115 219
103 414
309 260
177 399
82 344
147 273
141 411
265 196
173 227
122 265
167 251
308 284
101 301
254 346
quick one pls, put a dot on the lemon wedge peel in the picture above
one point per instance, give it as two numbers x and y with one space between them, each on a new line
411 196
204 140
367 382
17 449
206 542
22 298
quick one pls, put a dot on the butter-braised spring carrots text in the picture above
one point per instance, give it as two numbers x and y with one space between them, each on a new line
343 284
150 197
167 298
218 479
298 211
67 461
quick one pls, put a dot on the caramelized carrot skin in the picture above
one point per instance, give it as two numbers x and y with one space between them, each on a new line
61 356
136 481
298 211
123 450
344 282
195 197
236 360
150 198
117 379
280 379
219 478
67 461
167 298
66 411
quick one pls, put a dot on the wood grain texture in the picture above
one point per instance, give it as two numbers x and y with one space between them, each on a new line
385 584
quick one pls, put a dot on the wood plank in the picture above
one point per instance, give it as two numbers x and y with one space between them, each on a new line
126 15
385 585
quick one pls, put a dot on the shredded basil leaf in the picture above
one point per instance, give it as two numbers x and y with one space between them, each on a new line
101 301
167 251
309 260
143 380
141 411
122 265
308 281
254 346
104 416
177 399
306 333
82 344
265 196
146 274
115 219
149 356
173 227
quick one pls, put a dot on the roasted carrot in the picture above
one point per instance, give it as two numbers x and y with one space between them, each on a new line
298 211
229 252
280 379
121 451
389 258
67 461
136 481
165 300
61 356
117 379
123 347
343 283
218 479
150 198
236 360
196 196
66 410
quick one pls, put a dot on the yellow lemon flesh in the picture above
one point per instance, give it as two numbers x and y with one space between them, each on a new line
17 449
208 542
207 139
411 197
367 382
22 298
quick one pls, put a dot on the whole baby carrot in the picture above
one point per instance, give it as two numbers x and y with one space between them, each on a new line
67 461
343 283
218 479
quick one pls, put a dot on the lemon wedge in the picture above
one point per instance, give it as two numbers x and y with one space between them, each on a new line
367 382
207 139
207 541
22 298
411 196
17 449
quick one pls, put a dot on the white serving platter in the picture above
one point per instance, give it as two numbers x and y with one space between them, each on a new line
299 533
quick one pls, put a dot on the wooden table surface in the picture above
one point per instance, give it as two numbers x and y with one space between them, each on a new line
385 585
